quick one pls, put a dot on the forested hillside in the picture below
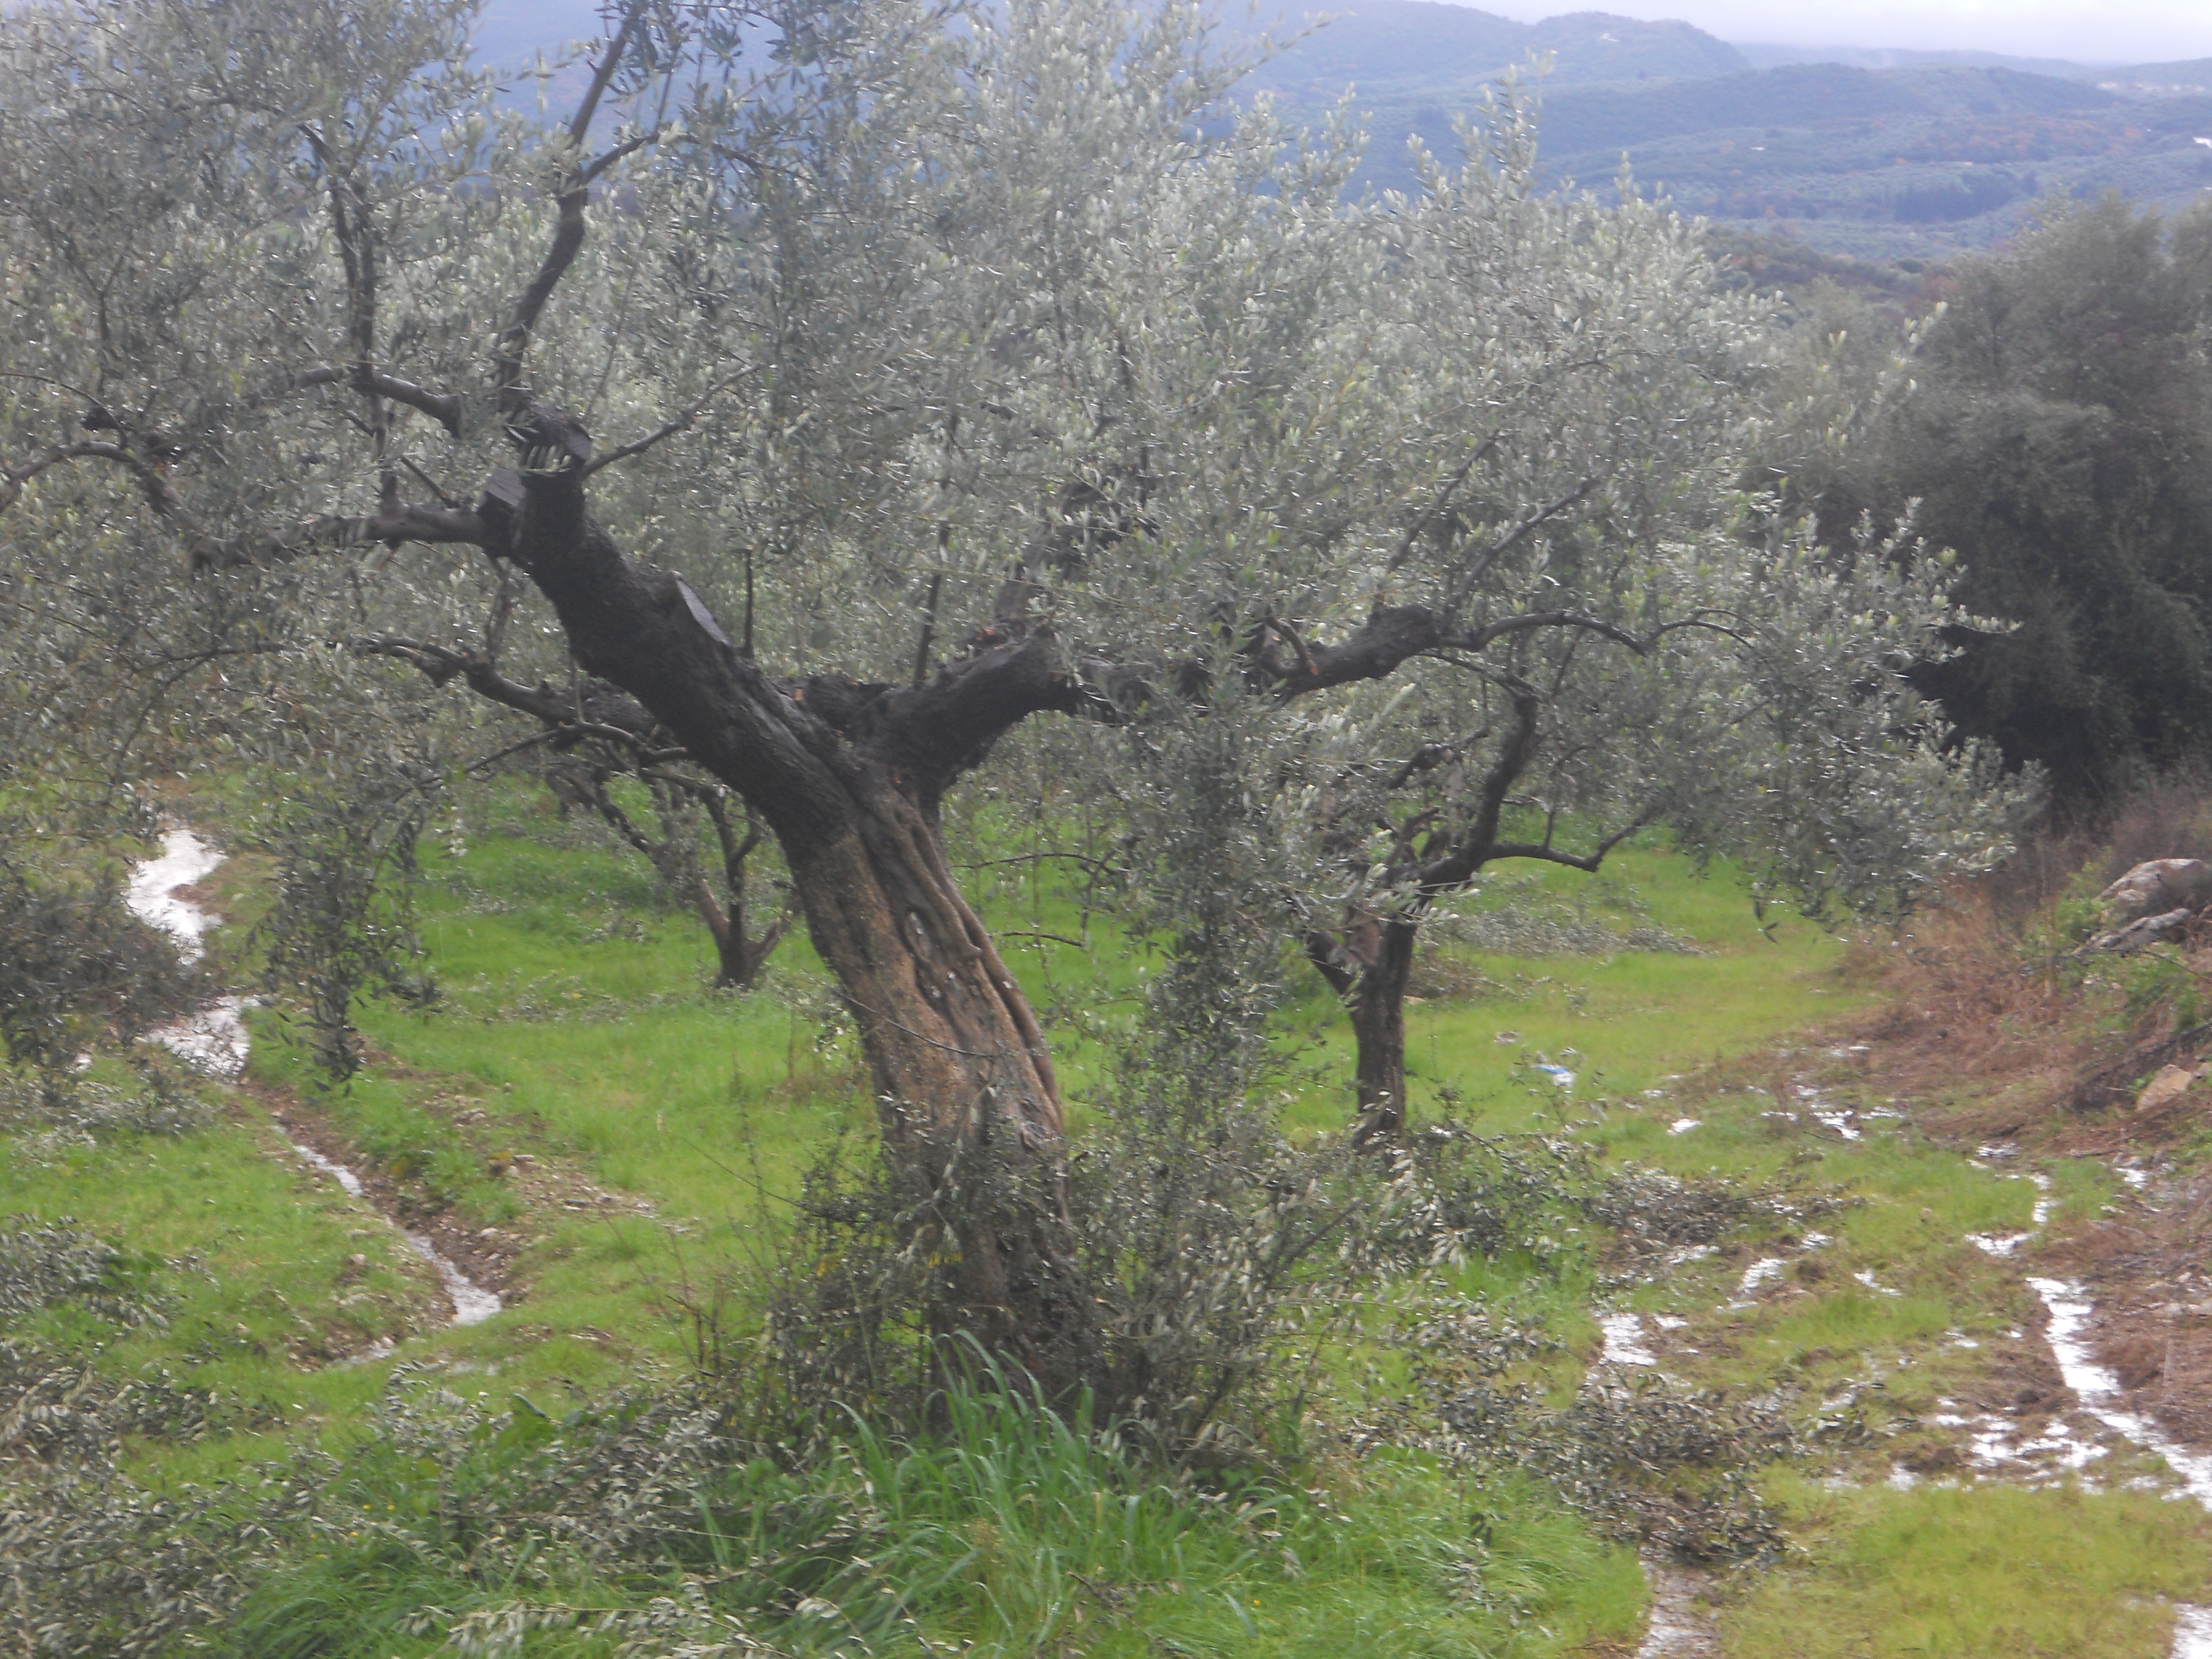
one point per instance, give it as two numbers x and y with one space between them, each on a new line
2058 437
1866 152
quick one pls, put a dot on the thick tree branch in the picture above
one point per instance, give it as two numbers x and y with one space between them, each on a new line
443 407
1393 635
945 727
1477 845
645 630
151 481
1331 960
337 533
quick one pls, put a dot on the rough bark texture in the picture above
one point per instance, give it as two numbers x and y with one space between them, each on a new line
1378 1026
848 777
1367 963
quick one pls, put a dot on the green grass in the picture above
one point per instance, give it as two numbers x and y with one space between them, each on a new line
1005 1533
1986 1573
279 1271
577 1028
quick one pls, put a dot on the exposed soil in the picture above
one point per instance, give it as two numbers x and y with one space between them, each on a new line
488 1255
2005 1054
2147 1268
492 1256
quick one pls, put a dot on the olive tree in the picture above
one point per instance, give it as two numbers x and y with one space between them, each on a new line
834 388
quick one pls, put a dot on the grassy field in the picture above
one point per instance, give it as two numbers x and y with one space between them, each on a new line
615 1143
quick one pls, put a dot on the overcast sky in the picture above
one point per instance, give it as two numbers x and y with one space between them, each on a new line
2114 31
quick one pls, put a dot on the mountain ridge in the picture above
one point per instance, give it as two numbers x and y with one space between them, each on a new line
1896 153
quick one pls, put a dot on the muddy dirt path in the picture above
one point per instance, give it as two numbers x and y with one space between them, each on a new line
2096 1424
215 1039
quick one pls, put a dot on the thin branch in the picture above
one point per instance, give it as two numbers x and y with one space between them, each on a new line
1056 938
573 196
1498 549
1488 632
628 146
155 487
498 755
683 423
1546 852
1443 498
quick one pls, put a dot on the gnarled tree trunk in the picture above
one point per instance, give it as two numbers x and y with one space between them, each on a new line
849 776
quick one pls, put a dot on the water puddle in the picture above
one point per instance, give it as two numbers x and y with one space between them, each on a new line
152 894
2192 1632
2099 1389
2004 1244
1624 1341
1677 1629
2094 1387
1840 1119
472 1304
215 1039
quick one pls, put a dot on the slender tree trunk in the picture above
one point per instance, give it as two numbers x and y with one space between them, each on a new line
1378 1030
738 954
1368 966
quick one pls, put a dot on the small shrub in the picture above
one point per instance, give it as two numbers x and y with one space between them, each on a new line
73 1110
49 1264
1651 1211
74 964
342 921
1472 1195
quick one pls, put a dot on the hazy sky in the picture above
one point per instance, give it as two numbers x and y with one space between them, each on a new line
2114 31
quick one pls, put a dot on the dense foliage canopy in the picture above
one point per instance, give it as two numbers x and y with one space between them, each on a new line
2059 438
969 366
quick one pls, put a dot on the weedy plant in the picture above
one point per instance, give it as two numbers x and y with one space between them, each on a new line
1651 1212
47 1112
1645 1459
44 1264
75 965
97 1564
343 921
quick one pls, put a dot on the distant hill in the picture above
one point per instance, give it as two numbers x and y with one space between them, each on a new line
2157 79
1387 48
1762 55
1891 154
1896 154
